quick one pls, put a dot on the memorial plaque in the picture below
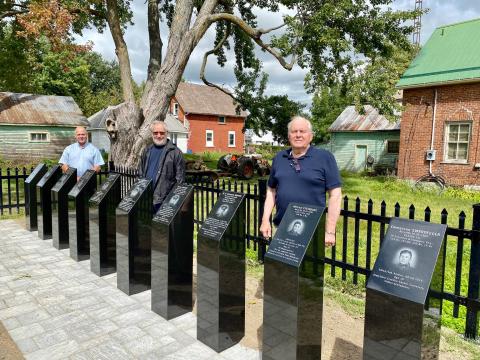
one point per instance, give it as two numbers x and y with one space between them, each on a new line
293 286
221 273
79 234
401 320
44 210
31 205
102 226
172 254
60 208
133 235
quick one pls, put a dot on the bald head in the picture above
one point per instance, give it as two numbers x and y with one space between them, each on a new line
300 134
81 135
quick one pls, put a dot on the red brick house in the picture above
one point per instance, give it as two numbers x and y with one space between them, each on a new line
211 117
440 126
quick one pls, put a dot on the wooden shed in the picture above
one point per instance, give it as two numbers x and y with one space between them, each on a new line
37 127
361 141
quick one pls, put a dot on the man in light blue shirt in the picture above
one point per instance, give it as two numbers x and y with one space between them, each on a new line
81 155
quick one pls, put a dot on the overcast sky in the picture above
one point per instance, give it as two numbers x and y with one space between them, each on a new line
281 82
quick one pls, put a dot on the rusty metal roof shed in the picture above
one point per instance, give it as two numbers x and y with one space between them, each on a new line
31 109
206 100
351 120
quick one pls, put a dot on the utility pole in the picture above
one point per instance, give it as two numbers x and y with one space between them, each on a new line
417 23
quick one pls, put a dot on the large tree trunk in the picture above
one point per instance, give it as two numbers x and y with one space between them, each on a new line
156 98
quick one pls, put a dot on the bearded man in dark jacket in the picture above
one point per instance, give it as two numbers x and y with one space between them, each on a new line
163 163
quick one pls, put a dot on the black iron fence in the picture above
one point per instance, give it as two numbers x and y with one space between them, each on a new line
360 235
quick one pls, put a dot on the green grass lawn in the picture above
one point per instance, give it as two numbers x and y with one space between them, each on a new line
392 190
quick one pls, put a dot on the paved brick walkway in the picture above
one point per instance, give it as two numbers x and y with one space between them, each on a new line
55 308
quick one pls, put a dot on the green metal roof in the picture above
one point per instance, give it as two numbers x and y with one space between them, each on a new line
451 55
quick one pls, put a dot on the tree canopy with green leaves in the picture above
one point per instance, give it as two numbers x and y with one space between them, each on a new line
324 37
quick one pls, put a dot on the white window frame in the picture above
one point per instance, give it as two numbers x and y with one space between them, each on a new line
211 142
175 108
224 120
447 141
234 138
47 139
173 137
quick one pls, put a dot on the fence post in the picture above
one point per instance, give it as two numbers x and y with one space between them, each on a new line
471 328
262 195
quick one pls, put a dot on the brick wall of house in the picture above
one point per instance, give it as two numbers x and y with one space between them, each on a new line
199 124
455 103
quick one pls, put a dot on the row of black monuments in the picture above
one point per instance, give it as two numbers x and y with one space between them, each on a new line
402 320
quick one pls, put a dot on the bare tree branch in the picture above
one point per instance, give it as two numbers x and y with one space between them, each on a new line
266 31
121 50
255 34
204 64
11 13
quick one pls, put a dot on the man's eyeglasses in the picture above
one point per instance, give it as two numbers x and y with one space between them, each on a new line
295 164
158 132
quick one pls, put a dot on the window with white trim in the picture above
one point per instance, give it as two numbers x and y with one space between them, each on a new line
39 137
222 120
231 139
173 137
457 141
209 138
175 109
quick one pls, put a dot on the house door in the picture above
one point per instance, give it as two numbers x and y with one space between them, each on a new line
360 157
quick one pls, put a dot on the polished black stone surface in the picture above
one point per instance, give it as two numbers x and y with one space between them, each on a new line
60 208
172 254
401 320
102 205
31 205
293 286
79 234
133 234
221 273
44 195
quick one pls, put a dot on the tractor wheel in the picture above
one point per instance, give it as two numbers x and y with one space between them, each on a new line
262 171
222 163
245 168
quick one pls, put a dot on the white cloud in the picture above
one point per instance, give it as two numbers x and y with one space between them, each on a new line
280 81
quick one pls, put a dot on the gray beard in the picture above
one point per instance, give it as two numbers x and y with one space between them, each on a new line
160 143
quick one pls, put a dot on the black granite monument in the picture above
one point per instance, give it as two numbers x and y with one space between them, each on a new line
44 210
102 226
221 273
60 208
401 320
134 220
172 254
31 205
79 234
293 286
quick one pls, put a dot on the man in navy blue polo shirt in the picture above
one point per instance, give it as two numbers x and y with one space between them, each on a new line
303 174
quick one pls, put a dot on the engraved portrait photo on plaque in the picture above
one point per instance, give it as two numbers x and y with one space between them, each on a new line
293 286
60 208
31 199
133 237
401 319
172 254
44 194
221 273
79 234
102 226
